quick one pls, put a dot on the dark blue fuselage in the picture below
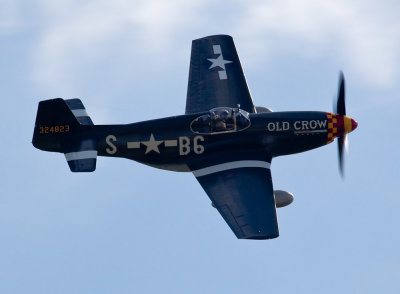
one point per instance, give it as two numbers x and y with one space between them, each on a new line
170 143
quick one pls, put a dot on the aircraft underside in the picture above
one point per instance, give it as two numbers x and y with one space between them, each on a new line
223 139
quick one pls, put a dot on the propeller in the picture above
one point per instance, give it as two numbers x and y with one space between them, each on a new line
340 110
341 104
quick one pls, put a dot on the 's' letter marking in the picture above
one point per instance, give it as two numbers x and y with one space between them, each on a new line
112 148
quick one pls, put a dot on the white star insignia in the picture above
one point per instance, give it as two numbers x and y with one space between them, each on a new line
152 144
219 61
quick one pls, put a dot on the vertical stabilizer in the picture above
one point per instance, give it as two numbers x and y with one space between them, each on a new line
58 128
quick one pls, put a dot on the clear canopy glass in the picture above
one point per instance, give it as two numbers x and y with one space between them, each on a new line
221 120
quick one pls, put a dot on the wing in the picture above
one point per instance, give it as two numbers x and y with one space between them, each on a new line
243 194
216 77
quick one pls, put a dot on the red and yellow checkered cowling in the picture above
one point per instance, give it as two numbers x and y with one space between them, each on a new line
332 127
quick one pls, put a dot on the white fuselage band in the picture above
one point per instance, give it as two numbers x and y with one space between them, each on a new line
90 154
230 165
80 112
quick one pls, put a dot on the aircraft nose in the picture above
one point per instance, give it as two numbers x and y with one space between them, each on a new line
354 124
349 124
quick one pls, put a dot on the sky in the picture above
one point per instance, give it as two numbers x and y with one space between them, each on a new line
129 228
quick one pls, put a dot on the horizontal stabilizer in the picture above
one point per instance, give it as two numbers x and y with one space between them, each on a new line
79 111
78 164
83 158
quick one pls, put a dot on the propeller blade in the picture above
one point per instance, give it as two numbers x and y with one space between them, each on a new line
341 106
346 144
341 142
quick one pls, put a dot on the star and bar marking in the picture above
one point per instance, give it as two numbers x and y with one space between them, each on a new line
219 62
152 144
185 145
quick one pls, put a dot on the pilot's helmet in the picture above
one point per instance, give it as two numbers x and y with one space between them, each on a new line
224 114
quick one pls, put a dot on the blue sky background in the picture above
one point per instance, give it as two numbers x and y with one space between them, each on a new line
129 228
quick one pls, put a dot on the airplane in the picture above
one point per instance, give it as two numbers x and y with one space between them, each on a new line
223 139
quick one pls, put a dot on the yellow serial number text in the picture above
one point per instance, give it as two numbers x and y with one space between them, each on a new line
55 129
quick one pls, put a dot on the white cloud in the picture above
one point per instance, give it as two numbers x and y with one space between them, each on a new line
364 35
86 32
360 33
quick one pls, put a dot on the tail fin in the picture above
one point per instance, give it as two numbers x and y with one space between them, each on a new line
58 128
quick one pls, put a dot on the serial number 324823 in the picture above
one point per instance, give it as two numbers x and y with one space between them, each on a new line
54 129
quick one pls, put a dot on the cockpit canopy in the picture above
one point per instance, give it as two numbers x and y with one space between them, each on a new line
221 120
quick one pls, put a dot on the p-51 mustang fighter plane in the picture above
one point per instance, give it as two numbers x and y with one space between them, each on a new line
223 139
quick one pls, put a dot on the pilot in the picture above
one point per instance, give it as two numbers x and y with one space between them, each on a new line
220 125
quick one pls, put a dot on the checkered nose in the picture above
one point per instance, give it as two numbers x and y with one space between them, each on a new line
339 126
